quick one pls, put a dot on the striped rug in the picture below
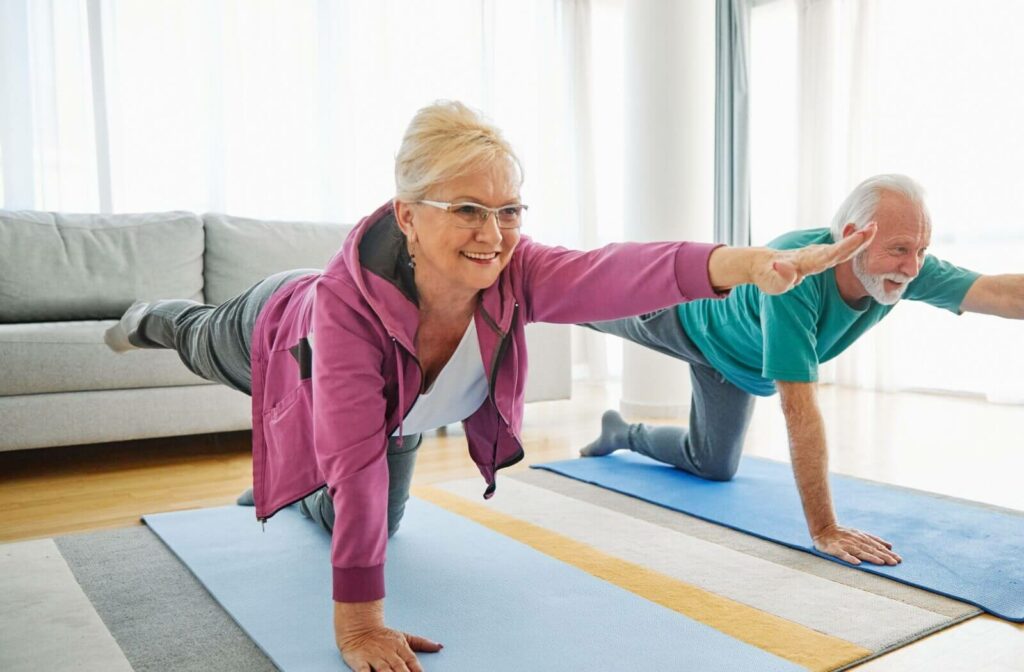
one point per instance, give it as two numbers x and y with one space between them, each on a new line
809 611
119 599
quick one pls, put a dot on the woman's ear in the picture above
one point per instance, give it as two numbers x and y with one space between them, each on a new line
404 217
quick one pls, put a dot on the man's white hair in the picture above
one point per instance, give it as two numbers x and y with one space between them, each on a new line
860 206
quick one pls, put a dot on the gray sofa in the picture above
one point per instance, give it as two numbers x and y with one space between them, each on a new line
65 278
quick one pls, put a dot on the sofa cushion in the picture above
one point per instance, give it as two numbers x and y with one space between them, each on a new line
71 356
63 267
42 420
240 252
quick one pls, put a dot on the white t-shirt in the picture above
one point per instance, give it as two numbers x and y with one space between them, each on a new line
457 391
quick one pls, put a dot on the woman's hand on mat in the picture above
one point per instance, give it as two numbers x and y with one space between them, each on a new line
852 546
778 271
367 644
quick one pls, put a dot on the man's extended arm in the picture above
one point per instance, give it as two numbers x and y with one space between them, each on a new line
1001 295
809 455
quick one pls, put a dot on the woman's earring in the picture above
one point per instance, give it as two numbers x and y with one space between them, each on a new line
412 261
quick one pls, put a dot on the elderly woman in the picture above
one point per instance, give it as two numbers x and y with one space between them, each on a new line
418 321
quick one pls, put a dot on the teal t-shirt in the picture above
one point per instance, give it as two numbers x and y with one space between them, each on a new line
754 339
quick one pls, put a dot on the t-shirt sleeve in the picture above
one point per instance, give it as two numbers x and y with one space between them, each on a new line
941 284
789 328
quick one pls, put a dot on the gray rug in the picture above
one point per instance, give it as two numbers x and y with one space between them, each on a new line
157 612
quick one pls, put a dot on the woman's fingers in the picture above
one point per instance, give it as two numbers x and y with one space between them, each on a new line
849 247
820 258
386 650
778 271
792 266
381 661
417 643
787 275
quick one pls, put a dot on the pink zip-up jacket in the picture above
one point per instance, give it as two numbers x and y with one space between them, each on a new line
324 406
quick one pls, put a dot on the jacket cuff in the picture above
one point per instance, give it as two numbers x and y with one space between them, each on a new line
358 584
692 271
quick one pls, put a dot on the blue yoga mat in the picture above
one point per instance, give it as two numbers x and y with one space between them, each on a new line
494 603
964 550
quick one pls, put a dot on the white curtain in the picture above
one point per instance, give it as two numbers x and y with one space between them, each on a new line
843 89
602 134
281 108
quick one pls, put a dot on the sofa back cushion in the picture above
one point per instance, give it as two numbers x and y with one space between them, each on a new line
240 252
56 267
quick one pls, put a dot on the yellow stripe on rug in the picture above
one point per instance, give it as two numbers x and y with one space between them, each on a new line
778 636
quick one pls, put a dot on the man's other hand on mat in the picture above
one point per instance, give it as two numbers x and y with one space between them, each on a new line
367 644
852 546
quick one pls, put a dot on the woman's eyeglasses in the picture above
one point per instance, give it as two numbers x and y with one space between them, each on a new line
470 215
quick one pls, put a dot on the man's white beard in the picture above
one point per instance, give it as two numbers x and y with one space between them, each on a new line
875 284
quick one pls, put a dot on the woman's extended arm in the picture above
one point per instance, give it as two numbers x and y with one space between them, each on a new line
624 279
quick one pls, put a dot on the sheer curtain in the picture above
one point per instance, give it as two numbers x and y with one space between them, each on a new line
843 89
282 108
47 122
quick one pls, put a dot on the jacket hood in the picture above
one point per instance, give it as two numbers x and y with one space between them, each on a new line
375 256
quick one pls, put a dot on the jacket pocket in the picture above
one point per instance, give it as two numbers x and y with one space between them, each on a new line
287 403
288 430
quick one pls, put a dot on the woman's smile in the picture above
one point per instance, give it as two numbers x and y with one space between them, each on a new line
482 258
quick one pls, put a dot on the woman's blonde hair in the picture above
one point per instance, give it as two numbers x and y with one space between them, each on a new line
444 141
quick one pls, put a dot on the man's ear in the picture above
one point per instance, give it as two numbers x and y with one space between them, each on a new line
849 229
404 217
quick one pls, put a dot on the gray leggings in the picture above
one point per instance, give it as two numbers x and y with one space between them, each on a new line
401 461
719 411
215 342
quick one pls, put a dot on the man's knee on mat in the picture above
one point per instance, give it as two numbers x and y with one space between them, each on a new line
721 471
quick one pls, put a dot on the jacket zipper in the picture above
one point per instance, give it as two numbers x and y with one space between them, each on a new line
419 366
415 359
499 355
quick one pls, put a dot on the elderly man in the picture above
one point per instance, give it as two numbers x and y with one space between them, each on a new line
751 344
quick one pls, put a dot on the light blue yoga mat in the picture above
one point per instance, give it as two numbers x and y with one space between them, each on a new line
494 603
964 550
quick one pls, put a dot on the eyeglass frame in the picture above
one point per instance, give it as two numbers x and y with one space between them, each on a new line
449 208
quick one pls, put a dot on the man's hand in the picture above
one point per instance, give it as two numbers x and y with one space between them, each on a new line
783 270
810 470
367 644
852 546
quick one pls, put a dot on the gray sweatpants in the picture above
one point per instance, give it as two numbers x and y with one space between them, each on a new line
719 412
214 342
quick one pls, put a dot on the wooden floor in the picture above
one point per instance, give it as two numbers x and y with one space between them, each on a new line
956 446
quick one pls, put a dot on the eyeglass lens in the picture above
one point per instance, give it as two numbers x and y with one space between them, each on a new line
476 215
